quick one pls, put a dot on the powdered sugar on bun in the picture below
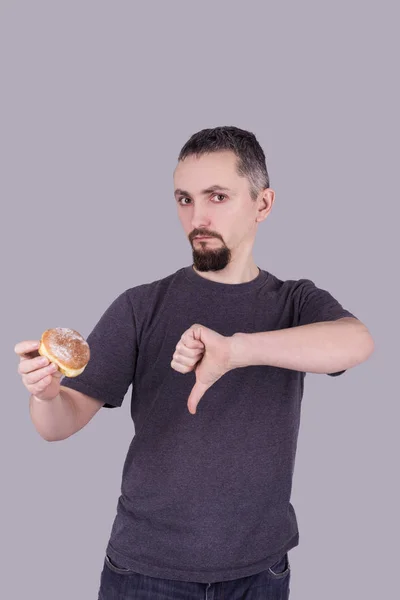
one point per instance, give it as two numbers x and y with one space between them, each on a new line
65 347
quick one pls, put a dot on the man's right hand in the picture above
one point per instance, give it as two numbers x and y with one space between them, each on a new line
40 377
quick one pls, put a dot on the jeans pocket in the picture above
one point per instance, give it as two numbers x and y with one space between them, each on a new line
113 567
280 568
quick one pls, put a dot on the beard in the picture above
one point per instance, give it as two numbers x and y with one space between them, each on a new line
207 258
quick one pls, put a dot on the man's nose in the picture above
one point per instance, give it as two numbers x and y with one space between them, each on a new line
200 219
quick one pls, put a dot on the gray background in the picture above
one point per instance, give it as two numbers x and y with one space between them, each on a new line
97 98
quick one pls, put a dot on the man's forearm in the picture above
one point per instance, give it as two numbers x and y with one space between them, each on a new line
325 347
54 419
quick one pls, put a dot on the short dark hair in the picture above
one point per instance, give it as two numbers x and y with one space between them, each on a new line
251 158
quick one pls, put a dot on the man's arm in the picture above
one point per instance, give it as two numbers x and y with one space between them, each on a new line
325 347
61 417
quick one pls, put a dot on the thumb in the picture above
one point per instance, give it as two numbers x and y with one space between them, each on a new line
198 391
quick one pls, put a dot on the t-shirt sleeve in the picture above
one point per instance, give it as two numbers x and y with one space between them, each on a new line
314 305
113 352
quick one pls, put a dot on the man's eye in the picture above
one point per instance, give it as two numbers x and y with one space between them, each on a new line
185 198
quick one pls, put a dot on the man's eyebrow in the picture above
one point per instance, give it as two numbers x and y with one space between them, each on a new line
205 192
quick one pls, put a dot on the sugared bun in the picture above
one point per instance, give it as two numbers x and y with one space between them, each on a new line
67 349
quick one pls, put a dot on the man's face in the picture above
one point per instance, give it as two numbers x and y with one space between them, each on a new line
228 216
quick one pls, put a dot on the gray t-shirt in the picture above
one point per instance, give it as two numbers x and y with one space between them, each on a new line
204 497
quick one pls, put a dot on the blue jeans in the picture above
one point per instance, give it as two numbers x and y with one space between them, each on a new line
121 584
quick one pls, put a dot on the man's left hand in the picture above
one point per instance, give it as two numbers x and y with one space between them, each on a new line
205 352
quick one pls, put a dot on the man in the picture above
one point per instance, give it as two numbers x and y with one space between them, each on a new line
217 353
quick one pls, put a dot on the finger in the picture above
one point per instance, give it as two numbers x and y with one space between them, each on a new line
39 374
185 360
189 341
27 366
187 355
182 348
180 368
40 386
26 348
